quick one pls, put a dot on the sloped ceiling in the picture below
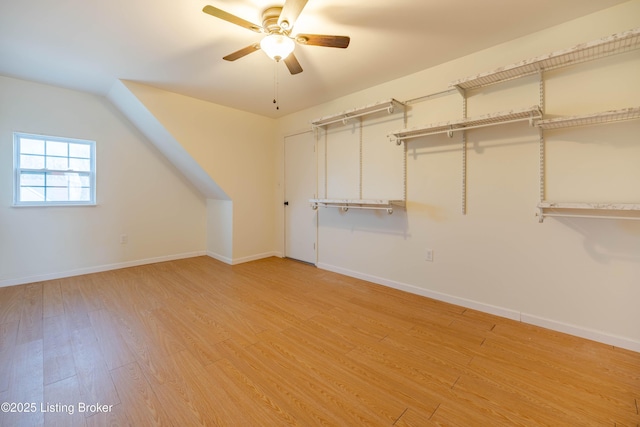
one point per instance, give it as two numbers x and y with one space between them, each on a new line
173 45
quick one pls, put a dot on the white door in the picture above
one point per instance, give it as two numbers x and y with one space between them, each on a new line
299 187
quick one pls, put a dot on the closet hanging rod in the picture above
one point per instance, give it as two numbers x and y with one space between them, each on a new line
345 116
561 215
345 208
458 127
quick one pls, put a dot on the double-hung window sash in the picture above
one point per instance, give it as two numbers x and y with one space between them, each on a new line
53 171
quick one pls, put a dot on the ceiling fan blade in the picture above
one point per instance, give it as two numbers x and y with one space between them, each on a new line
292 64
226 16
322 40
290 12
242 52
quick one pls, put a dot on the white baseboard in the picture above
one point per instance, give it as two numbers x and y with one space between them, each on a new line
220 258
486 308
578 331
96 269
236 261
115 266
581 332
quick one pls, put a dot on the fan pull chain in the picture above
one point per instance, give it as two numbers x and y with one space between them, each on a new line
275 85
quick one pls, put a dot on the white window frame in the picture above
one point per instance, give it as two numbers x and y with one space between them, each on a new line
19 170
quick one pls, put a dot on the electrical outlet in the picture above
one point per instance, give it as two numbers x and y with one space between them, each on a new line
428 255
124 239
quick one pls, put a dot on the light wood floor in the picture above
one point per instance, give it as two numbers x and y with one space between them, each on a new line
276 342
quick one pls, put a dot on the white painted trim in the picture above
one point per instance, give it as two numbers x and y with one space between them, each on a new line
220 258
253 257
486 308
554 325
242 260
578 331
96 269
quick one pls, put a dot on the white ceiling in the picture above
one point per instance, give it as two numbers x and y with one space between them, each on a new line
173 45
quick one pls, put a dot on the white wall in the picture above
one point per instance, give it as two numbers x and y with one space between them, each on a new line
581 276
220 229
236 149
139 193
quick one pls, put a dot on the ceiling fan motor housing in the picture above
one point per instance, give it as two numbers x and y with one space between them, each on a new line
270 21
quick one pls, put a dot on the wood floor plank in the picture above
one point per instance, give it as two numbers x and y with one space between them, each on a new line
114 417
25 385
257 406
205 392
52 299
545 380
11 303
585 371
90 290
30 327
113 347
197 337
58 351
545 388
413 418
414 371
61 404
75 308
8 336
91 369
141 330
280 382
179 389
343 390
237 319
453 354
139 402
486 401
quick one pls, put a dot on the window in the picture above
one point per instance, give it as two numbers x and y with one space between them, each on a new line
53 171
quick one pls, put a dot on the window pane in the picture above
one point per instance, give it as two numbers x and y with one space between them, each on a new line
79 194
57 180
31 194
74 180
31 162
80 150
85 180
55 148
57 163
80 164
55 194
31 146
32 179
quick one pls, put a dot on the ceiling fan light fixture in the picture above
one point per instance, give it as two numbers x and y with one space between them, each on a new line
277 46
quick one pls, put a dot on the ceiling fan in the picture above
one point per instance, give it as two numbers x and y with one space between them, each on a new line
279 42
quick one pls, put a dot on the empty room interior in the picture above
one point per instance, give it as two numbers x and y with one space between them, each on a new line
315 212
